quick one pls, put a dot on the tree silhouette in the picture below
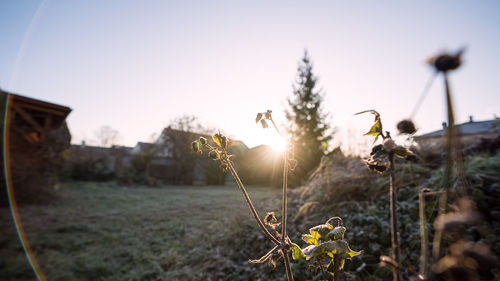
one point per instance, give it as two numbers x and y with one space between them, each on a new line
307 125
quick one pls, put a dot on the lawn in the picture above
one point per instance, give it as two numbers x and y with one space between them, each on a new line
100 231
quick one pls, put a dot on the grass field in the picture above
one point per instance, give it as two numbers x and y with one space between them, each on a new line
100 231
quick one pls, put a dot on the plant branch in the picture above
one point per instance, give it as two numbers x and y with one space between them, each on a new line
286 259
443 200
396 273
424 257
336 267
249 202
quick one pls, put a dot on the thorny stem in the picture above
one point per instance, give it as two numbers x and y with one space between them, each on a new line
396 273
249 202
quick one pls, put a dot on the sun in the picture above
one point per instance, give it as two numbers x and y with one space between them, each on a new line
277 143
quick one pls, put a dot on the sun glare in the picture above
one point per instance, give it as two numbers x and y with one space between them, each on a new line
278 144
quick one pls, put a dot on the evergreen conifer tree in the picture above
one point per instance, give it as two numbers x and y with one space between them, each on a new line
307 124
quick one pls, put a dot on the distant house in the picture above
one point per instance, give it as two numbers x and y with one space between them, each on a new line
261 165
169 160
86 162
36 137
183 166
469 132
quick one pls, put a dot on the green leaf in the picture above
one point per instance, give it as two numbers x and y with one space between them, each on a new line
342 262
331 267
216 139
324 145
350 253
326 249
336 234
296 251
309 239
320 230
401 151
195 146
259 116
376 129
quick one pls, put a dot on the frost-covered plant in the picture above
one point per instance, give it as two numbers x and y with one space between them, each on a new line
218 152
382 158
327 250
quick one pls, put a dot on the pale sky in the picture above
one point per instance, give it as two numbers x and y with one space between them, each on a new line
136 65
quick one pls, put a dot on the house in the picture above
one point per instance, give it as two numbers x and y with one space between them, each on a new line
182 166
261 165
86 162
35 135
469 132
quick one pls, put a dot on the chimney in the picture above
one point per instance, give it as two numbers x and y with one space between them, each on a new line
444 125
470 119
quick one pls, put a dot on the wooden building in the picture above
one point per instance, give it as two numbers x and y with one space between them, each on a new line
34 135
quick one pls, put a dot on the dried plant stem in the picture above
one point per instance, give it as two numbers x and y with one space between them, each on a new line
285 184
396 273
323 271
288 268
250 204
286 259
424 256
336 261
443 200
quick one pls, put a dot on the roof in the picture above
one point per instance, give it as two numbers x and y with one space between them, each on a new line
33 118
469 128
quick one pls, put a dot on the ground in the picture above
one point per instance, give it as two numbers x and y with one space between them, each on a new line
106 232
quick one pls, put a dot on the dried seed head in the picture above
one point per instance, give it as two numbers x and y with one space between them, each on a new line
411 157
259 116
406 127
268 113
445 62
376 148
194 146
270 218
213 154
223 166
379 168
389 144
224 142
